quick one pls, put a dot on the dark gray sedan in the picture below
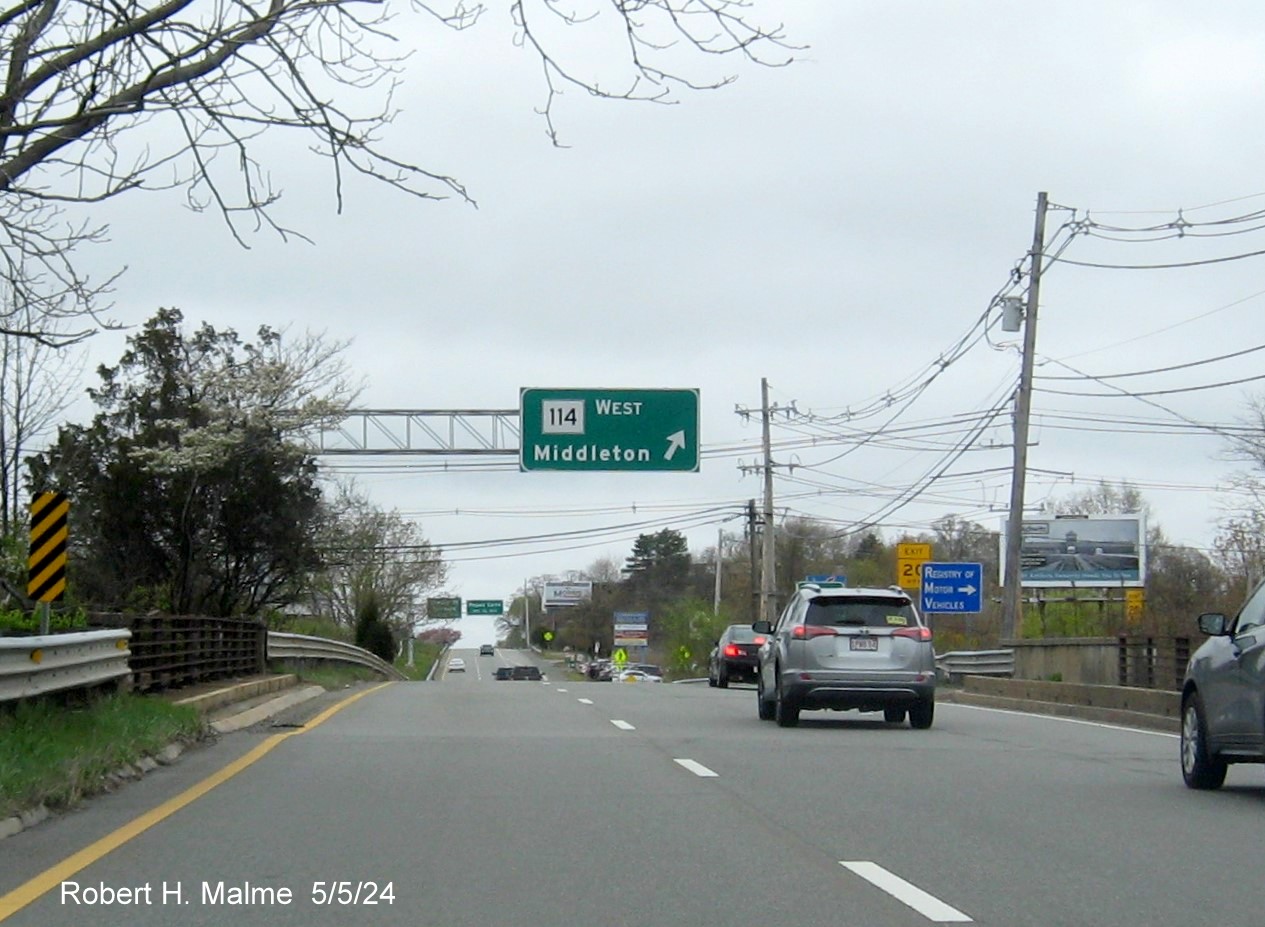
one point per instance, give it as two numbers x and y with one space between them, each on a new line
1223 696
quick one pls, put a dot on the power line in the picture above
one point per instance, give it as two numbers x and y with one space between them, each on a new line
1155 370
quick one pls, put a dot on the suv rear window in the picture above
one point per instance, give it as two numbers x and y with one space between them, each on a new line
859 612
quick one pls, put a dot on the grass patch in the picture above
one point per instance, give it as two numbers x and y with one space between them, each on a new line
29 622
424 657
330 674
54 754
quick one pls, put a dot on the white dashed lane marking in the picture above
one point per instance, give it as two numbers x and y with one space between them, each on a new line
585 701
623 725
929 906
697 769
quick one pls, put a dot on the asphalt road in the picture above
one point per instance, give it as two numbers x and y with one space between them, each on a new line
555 804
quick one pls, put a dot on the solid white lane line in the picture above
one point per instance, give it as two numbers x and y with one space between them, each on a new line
623 725
929 906
585 701
697 769
1081 721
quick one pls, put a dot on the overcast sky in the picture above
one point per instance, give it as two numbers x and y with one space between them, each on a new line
838 226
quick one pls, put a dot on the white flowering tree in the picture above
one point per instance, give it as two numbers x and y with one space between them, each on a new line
193 492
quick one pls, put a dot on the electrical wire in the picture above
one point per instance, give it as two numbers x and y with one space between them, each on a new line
1155 370
1155 392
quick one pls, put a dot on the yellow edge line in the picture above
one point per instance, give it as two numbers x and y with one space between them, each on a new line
52 877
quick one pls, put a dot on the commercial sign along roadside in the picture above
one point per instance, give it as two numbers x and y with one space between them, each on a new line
1081 550
558 595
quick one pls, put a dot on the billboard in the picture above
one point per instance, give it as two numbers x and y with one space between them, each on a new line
559 595
1081 550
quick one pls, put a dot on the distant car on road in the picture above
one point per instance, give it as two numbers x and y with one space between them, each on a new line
636 675
525 672
1223 695
504 672
487 650
456 665
736 656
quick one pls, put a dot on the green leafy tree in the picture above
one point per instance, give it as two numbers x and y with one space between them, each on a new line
372 633
188 484
806 547
688 629
659 563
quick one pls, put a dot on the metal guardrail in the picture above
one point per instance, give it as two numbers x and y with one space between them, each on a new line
283 646
32 666
960 663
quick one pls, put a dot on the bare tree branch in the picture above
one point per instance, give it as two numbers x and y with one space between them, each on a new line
205 79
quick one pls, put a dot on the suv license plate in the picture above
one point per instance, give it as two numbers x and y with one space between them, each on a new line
863 643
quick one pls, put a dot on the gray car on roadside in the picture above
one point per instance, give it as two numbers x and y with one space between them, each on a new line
847 648
1223 695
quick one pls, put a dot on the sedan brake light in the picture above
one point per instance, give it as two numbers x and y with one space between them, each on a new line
915 634
804 632
732 651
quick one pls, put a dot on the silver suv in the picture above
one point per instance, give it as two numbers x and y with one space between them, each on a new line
847 648
1223 695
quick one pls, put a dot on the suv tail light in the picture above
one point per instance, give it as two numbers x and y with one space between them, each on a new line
805 632
914 634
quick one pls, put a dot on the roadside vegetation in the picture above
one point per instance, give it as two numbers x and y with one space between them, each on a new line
53 754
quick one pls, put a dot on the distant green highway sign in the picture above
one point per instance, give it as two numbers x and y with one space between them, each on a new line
444 609
485 607
609 429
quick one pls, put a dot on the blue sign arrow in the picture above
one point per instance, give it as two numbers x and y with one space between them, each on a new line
952 587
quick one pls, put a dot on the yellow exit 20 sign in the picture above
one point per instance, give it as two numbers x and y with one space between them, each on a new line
909 561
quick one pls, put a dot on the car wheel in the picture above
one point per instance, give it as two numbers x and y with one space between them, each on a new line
1199 769
763 707
894 715
785 712
722 678
922 714
711 680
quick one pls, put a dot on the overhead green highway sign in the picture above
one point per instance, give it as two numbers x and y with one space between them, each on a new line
485 607
608 429
444 608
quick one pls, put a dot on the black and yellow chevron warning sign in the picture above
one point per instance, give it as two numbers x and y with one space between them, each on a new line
47 561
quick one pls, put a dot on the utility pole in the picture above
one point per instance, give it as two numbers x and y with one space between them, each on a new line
720 547
768 582
1012 592
755 615
768 591
527 614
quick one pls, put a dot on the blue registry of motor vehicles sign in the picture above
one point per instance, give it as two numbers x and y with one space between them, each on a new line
952 587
